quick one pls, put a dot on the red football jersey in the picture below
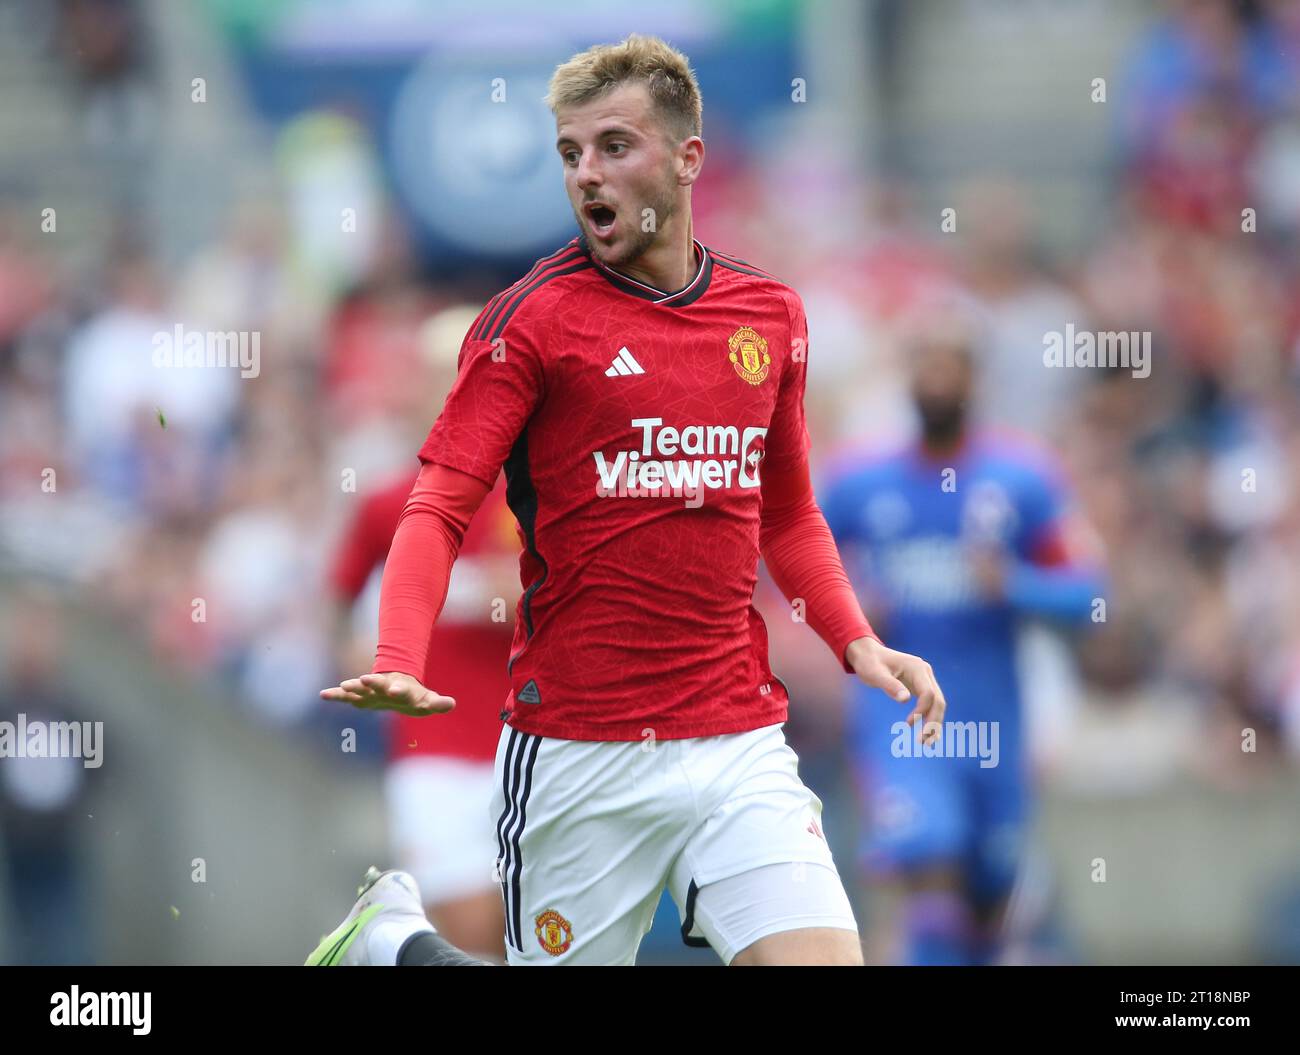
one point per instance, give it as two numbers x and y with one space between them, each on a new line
631 423
466 659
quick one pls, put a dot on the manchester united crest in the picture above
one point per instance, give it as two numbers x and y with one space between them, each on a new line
749 355
554 932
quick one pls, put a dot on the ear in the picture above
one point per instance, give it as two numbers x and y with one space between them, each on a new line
690 160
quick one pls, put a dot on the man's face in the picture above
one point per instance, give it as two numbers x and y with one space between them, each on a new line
941 388
618 163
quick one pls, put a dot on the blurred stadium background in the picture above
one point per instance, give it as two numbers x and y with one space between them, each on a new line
194 162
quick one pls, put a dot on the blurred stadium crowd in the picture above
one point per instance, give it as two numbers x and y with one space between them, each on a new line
174 485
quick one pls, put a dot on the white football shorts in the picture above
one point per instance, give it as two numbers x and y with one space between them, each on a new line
590 832
437 825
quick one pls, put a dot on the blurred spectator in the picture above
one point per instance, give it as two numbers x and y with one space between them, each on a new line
1021 303
118 397
45 874
103 43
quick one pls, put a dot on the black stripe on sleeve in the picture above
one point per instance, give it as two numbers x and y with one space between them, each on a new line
565 255
498 327
732 266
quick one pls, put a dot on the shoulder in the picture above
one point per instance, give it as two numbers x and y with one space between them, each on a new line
531 300
754 279
865 464
1022 459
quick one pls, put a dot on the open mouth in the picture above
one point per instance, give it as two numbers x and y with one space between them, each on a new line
601 217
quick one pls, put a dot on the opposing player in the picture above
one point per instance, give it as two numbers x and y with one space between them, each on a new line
644 395
438 781
956 537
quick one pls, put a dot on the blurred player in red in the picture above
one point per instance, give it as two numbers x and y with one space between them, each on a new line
438 784
644 394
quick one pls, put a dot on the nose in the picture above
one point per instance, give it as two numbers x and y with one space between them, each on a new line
588 174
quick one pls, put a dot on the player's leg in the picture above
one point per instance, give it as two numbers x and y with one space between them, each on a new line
1033 931
586 833
882 901
917 830
1000 813
473 923
918 912
385 928
756 878
388 925
799 910
934 915
810 947
440 834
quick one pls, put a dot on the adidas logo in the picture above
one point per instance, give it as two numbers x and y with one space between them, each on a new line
529 693
624 365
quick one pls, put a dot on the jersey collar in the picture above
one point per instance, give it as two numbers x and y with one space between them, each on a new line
688 294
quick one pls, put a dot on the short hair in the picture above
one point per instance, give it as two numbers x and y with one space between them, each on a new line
665 72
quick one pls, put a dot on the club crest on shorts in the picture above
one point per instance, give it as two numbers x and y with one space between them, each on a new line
749 355
554 932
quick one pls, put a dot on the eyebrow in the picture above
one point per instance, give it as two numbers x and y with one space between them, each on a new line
616 130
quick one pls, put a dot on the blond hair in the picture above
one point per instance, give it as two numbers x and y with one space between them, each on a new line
665 72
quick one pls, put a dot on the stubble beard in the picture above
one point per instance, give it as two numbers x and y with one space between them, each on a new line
640 241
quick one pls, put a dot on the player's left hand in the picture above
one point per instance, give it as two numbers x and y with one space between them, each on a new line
902 676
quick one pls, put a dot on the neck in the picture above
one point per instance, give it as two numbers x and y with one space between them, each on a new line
669 264
943 446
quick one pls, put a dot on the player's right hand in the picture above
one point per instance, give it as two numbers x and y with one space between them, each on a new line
393 691
902 676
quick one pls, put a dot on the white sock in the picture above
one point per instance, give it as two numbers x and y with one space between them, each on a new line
387 937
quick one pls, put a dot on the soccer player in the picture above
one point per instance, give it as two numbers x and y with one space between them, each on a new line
439 779
956 538
644 394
